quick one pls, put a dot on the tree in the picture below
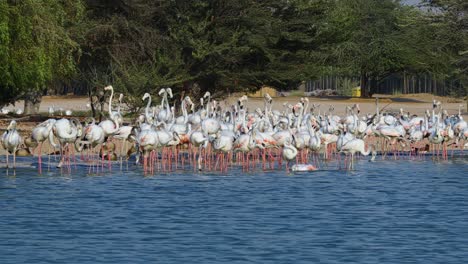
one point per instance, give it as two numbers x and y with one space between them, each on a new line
449 21
36 47
219 46
363 39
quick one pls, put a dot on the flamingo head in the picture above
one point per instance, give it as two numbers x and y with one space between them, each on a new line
169 92
206 95
357 108
297 108
161 92
188 100
121 97
146 95
12 125
109 87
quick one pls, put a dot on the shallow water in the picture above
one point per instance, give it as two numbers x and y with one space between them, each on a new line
384 212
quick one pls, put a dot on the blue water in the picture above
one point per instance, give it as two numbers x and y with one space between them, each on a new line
384 212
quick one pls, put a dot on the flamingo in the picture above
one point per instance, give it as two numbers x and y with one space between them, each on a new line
11 140
353 146
223 143
303 167
51 110
5 111
67 131
123 133
148 117
165 113
94 134
40 133
288 153
114 115
200 141
209 125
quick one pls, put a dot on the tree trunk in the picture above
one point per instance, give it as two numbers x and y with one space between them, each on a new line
32 102
90 96
364 85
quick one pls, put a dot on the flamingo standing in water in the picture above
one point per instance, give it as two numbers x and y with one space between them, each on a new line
353 146
111 126
39 134
67 131
289 153
223 144
11 139
94 134
200 141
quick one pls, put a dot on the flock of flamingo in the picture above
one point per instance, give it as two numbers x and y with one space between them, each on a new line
210 137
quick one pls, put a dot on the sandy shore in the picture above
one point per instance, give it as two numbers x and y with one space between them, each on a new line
413 103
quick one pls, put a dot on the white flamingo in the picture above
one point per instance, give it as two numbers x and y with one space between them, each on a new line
288 153
114 115
94 134
355 146
67 131
165 113
223 144
41 133
148 116
209 125
11 139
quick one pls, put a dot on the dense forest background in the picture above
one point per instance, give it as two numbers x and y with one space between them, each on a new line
223 46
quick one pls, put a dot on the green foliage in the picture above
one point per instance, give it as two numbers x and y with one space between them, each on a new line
364 38
218 46
35 46
450 20
223 46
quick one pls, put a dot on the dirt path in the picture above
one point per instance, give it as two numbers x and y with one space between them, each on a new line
415 103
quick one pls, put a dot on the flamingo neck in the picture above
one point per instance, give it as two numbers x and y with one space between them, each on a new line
110 102
147 110
208 106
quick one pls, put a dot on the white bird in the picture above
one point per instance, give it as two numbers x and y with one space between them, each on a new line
94 134
51 110
67 131
116 116
148 117
11 139
41 133
5 111
303 167
288 153
353 146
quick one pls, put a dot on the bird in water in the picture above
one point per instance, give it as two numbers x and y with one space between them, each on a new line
289 153
11 140
303 167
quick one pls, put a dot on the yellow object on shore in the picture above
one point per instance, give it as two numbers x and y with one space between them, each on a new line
356 92
262 91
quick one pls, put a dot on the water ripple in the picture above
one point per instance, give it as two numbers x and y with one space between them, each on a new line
385 212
